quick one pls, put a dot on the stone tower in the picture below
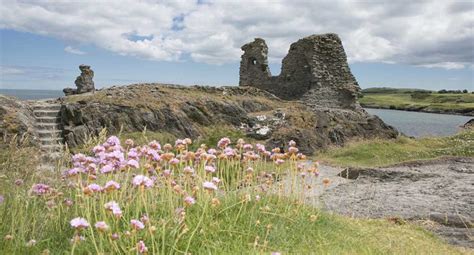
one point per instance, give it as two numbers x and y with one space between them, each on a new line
315 71
84 82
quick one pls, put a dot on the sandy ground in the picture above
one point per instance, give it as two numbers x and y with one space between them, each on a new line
438 194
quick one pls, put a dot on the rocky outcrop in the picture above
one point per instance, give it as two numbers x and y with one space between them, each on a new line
84 82
190 111
469 124
16 118
314 71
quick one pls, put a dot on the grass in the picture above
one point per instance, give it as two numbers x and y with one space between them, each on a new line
378 152
411 100
229 221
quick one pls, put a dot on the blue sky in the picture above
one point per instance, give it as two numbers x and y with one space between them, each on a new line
198 43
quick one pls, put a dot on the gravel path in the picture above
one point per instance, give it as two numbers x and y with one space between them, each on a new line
438 193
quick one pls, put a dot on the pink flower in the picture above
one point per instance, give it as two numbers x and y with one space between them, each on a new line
223 142
74 171
106 169
189 200
257 198
132 154
216 180
210 169
188 170
136 224
2 198
133 163
166 172
115 236
129 142
141 247
292 150
92 188
174 161
101 226
248 146
113 141
229 152
79 223
144 218
111 185
114 207
18 182
155 145
212 151
292 143
209 186
260 147
40 189
142 180
68 202
279 161
98 149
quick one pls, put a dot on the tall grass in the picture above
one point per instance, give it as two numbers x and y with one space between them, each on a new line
169 199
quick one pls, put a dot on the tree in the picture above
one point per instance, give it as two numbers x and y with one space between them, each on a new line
465 91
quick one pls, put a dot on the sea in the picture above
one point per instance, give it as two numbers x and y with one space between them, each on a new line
416 124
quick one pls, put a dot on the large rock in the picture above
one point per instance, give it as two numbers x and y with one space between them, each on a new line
190 111
16 118
84 82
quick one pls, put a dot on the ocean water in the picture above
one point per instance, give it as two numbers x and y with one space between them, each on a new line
421 124
31 94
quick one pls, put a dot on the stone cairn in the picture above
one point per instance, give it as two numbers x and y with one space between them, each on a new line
314 71
84 82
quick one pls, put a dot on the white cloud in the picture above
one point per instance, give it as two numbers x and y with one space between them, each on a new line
5 70
424 33
72 50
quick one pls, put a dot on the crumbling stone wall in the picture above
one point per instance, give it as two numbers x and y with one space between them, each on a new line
315 71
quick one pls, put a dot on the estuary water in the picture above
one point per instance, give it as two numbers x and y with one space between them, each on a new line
421 124
32 94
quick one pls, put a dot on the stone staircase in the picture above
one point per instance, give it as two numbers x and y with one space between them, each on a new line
49 131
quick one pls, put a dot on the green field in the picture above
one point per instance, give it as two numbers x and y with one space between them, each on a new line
418 100
379 152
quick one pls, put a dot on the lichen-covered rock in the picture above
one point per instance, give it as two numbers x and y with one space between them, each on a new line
469 124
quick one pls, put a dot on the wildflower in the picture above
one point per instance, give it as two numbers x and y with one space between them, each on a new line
101 226
187 141
111 185
247 146
115 236
167 147
292 150
257 198
180 212
68 202
2 198
31 243
113 141
114 208
141 247
137 225
133 163
8 237
167 172
276 253
292 143
189 201
152 229
174 161
209 186
249 170
50 203
92 188
140 180
279 161
223 142
79 223
216 180
188 170
260 147
210 169
98 149
212 151
106 169
229 152
144 219
155 145
40 189
215 202
18 182
313 218
129 142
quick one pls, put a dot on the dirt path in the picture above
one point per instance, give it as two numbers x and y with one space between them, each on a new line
438 193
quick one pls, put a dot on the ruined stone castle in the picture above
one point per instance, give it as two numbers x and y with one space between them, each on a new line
314 71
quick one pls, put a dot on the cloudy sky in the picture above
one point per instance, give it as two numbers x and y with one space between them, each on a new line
425 44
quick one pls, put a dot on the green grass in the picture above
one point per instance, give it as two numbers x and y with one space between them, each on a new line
410 100
236 226
380 152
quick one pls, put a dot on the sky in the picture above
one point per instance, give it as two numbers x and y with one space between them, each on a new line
405 44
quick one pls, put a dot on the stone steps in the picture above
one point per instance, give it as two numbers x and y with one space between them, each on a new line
49 132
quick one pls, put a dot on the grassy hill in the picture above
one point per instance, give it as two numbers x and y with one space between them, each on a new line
418 100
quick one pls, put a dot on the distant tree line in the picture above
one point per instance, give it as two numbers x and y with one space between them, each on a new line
444 91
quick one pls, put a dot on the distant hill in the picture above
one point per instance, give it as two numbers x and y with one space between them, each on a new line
443 101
